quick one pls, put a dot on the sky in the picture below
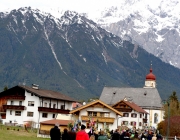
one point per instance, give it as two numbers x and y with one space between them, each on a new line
77 5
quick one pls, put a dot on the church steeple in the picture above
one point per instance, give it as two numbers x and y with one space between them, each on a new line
150 81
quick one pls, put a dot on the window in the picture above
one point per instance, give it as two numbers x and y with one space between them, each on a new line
30 114
125 114
155 118
20 103
140 124
45 104
32 94
125 122
10 112
133 123
30 103
54 105
133 115
49 105
44 115
17 113
90 113
53 115
140 115
62 107
102 114
94 113
106 114
145 116
12 103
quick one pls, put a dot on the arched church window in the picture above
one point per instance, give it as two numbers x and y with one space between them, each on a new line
155 118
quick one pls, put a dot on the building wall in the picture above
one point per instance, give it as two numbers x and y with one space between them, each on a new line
37 116
64 116
130 119
97 109
151 117
150 84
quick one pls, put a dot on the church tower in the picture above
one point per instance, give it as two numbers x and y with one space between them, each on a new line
150 81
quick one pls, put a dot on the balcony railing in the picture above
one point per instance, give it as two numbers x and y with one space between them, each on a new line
100 119
55 110
14 107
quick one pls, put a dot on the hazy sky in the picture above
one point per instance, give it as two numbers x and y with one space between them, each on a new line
80 5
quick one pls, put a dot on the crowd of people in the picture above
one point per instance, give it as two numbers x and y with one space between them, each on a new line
93 134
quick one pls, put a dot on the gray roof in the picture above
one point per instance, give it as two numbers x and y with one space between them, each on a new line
146 98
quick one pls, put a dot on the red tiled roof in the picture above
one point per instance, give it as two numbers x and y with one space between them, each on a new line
135 107
132 105
76 105
56 121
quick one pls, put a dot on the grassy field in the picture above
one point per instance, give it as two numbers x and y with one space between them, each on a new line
18 134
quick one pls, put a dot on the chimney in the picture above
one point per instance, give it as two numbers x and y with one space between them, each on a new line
34 86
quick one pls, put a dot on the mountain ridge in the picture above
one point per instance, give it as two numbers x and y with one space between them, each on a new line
147 25
73 55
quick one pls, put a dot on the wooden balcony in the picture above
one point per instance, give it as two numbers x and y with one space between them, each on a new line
100 119
17 97
54 110
14 107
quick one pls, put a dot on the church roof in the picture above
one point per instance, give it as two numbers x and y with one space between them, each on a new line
144 97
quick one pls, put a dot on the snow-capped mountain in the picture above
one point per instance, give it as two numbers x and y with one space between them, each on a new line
154 25
73 55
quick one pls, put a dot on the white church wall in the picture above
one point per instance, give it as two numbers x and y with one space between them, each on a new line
152 120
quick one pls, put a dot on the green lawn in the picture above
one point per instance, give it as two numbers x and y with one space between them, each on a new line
18 134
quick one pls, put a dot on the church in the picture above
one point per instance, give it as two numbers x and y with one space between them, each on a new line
147 98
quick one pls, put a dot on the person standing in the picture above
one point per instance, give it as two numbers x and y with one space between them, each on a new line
82 135
72 135
102 136
116 135
154 137
65 135
55 133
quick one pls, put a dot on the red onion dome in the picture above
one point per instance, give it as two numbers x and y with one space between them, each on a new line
150 76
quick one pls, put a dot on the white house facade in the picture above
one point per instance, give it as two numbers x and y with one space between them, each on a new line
21 105
98 115
134 117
